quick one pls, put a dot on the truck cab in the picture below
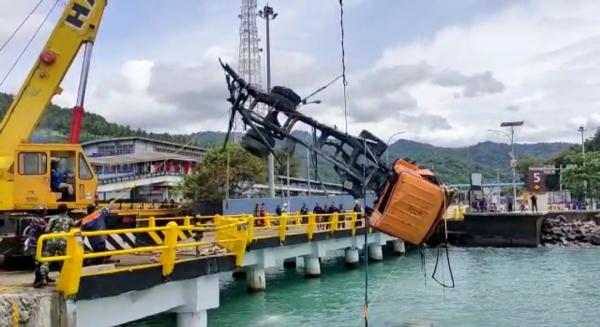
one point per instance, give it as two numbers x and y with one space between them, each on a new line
52 174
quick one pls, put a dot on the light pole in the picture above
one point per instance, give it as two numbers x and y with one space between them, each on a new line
387 150
581 130
513 157
269 14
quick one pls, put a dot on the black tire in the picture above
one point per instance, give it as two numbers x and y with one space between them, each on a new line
288 93
252 143
281 103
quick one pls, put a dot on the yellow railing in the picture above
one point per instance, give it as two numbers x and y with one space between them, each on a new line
71 272
233 233
296 223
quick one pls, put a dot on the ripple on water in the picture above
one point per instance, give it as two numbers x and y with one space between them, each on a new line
494 287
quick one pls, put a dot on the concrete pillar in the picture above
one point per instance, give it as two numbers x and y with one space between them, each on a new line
351 256
312 266
375 252
398 246
255 278
289 263
192 319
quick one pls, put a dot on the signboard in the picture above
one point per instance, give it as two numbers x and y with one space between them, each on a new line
536 181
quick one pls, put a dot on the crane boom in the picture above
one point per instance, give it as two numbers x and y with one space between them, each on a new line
78 24
410 200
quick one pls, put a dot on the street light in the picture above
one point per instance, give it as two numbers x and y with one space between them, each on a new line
387 151
269 14
581 130
513 157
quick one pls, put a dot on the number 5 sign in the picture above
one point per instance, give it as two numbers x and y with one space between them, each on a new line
536 181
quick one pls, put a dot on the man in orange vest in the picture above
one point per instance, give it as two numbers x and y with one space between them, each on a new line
96 221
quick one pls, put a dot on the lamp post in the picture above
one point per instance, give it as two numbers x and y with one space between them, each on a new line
581 130
387 150
269 14
513 157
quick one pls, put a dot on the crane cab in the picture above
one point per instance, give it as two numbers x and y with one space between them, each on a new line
52 174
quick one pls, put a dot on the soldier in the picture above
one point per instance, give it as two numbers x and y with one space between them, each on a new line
60 223
37 227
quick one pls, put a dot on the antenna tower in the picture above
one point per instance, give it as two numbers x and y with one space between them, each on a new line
249 61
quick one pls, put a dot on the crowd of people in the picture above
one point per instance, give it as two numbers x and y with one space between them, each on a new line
260 212
62 222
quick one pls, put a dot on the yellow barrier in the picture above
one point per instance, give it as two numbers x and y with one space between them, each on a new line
233 233
71 272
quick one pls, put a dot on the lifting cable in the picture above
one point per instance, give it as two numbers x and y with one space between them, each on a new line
344 80
20 25
28 43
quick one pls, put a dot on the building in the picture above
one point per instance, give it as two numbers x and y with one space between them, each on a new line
154 166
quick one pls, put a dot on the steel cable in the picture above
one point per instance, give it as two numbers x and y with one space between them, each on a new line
28 44
10 37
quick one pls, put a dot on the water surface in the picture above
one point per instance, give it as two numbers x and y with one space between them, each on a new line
494 287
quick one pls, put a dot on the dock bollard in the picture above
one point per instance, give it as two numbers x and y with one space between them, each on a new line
399 248
312 266
375 252
352 257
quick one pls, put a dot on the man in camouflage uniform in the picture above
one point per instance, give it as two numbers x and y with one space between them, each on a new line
60 223
37 227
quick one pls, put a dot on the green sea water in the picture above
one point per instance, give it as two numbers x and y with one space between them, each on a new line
494 287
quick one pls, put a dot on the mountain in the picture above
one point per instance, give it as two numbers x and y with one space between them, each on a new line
489 158
454 165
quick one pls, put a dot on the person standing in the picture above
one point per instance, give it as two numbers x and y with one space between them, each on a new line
37 227
534 207
60 223
262 213
96 221
509 203
278 210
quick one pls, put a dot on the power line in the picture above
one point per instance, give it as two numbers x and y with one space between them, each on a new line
20 25
28 44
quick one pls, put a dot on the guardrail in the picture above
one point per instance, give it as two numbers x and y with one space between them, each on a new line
72 268
233 233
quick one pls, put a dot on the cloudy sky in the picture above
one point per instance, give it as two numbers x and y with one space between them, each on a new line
443 71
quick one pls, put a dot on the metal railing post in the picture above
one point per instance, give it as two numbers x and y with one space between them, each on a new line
353 217
168 255
334 218
251 220
70 274
282 226
310 227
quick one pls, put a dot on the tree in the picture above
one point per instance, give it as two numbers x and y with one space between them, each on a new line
589 174
209 181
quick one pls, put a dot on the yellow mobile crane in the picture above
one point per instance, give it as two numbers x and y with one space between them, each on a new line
46 175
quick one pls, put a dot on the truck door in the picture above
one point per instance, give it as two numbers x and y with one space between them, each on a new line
86 183
33 177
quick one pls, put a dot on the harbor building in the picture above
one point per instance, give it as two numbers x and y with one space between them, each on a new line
155 167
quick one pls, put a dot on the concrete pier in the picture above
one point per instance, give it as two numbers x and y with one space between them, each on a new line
375 252
312 266
192 319
255 278
398 247
351 256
